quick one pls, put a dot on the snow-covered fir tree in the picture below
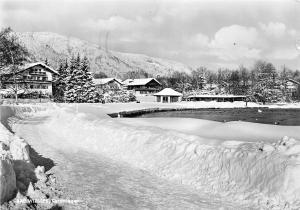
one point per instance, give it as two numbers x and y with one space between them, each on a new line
59 85
72 85
89 93
79 82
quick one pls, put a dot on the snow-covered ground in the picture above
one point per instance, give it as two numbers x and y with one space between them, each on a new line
167 163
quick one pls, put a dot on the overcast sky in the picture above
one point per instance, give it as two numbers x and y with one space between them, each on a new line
208 33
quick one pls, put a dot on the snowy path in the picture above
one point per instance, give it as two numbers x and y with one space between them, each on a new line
105 184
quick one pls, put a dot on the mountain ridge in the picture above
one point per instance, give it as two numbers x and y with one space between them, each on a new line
56 48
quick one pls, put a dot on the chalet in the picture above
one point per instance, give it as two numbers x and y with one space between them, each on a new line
143 86
293 88
168 95
218 98
29 77
108 84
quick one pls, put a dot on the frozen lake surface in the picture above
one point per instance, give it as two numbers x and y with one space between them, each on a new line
257 115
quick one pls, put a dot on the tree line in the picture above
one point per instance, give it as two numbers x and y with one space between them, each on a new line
263 82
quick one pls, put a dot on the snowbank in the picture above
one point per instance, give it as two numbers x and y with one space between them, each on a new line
8 185
19 111
7 178
17 147
17 172
234 130
262 173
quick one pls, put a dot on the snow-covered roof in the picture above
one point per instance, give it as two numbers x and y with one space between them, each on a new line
168 92
127 81
217 96
120 81
104 81
294 81
134 82
8 69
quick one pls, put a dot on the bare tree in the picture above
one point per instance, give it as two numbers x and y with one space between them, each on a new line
12 55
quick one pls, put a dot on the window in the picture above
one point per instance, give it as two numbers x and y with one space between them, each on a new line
174 99
165 99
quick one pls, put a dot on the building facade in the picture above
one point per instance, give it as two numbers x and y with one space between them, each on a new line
293 88
105 85
31 77
146 86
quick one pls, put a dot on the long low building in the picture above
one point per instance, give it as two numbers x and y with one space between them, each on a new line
219 98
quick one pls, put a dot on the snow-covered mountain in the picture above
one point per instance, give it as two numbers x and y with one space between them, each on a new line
56 47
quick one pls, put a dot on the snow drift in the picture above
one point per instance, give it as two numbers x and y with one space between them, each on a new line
262 173
7 177
16 170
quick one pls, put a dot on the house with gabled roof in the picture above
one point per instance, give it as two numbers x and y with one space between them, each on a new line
108 84
293 88
143 86
32 77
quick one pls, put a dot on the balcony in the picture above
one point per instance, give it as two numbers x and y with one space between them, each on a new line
27 81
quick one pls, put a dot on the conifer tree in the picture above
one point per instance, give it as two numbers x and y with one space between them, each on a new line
59 85
80 87
71 83
89 89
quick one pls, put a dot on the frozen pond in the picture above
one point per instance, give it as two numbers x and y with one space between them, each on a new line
261 115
